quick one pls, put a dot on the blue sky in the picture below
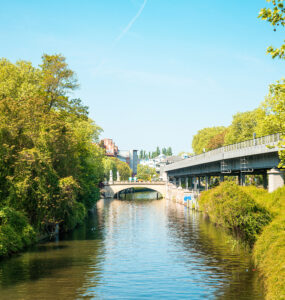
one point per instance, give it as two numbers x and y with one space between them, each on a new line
152 72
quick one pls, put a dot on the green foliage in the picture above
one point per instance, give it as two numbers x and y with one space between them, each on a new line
15 231
229 206
146 173
243 126
269 255
114 164
157 152
202 139
250 209
275 15
50 166
269 250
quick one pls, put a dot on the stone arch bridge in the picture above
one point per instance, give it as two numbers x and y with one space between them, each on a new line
111 189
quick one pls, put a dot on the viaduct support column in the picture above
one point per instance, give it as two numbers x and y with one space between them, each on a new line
265 181
179 181
275 179
195 183
186 183
242 179
207 180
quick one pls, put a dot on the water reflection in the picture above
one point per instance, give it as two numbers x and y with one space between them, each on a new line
229 263
130 249
55 270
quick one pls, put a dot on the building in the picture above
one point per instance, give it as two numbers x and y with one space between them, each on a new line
110 147
128 156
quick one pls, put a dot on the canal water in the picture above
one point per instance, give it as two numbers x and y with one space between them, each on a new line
134 249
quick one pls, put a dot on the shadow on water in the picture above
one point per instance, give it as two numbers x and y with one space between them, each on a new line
55 269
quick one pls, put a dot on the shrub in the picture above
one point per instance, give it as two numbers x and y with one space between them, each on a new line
229 206
269 256
15 231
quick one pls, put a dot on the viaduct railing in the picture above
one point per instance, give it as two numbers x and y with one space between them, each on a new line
271 139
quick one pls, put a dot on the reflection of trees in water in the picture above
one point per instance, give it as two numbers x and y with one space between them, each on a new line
56 270
228 263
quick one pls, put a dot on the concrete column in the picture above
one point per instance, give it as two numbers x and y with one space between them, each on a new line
186 183
242 179
179 181
275 179
207 180
195 183
265 181
174 181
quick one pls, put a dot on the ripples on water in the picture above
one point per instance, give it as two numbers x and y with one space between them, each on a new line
134 249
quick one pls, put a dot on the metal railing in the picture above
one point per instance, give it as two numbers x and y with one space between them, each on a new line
264 140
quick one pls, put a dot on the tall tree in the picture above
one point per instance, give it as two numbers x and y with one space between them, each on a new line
169 151
201 140
243 126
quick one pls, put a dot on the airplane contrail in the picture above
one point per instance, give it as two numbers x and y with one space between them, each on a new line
123 33
131 23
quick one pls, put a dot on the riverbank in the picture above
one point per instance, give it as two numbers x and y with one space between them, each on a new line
257 217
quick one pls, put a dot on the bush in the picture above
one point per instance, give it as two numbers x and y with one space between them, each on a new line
229 206
250 209
15 231
269 256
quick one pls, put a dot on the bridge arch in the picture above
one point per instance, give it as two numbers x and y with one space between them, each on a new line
112 189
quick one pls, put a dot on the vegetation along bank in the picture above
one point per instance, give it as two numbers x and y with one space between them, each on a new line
50 163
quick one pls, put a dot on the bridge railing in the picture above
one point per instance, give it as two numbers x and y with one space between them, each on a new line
264 140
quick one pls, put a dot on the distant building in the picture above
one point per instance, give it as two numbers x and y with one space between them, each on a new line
159 162
110 147
128 156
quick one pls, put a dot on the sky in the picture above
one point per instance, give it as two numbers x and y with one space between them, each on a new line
153 72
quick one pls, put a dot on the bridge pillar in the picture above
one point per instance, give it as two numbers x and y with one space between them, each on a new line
207 180
265 181
241 179
179 181
195 183
186 183
275 179
174 181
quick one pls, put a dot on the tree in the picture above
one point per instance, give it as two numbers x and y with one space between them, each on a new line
243 126
146 173
57 80
217 141
276 17
201 140
274 119
115 165
157 151
169 151
50 165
